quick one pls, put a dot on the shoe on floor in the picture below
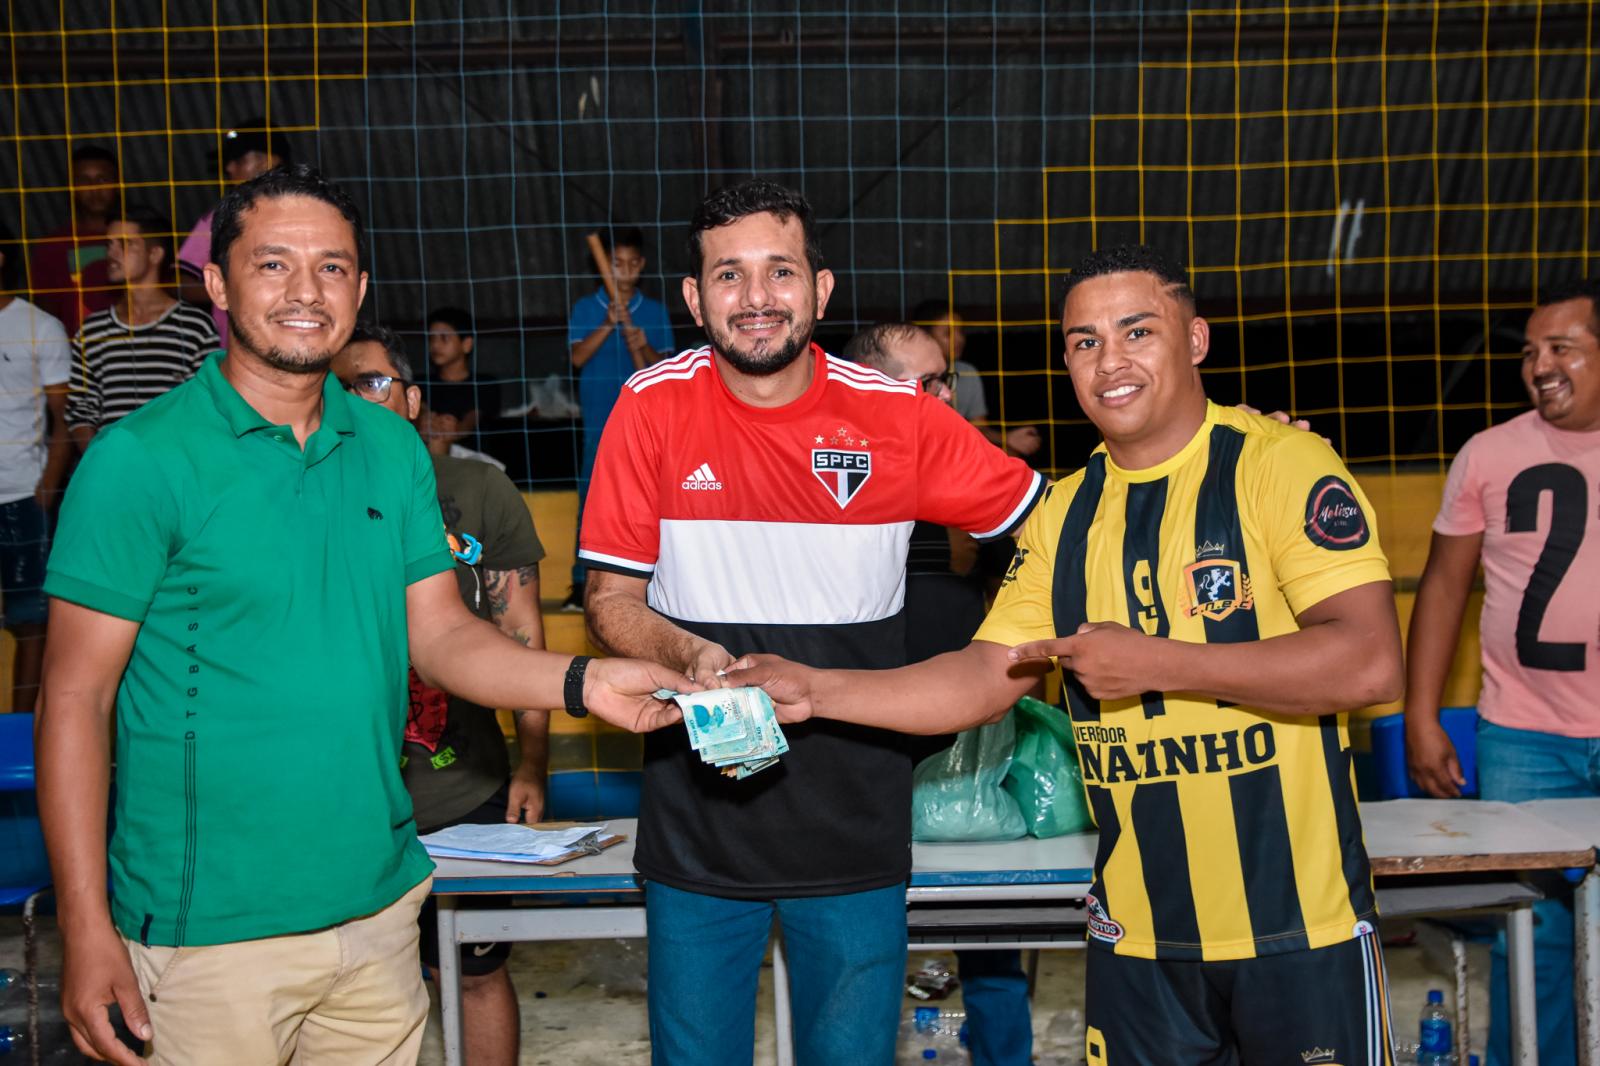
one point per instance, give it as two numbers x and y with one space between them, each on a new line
573 604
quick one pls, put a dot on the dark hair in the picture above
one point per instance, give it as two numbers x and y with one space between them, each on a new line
297 179
392 347
11 267
1576 289
1131 259
456 318
868 347
156 229
622 236
93 153
733 202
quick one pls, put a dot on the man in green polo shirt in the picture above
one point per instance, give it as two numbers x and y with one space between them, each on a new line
242 570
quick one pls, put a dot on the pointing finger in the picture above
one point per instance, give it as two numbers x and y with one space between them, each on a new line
1041 649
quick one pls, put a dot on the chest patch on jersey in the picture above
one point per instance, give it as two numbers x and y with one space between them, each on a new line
1334 519
1216 588
841 472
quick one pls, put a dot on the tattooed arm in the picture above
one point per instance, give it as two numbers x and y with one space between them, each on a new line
514 607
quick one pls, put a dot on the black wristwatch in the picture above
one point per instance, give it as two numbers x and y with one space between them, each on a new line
572 687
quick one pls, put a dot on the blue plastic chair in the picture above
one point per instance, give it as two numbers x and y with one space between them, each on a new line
1389 752
591 795
24 866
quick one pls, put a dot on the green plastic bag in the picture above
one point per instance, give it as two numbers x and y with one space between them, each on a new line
958 794
1044 778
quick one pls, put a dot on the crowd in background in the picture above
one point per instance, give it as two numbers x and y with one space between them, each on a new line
118 313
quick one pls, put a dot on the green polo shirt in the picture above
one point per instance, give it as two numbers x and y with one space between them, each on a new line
260 717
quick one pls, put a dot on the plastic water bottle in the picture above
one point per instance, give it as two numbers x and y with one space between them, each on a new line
13 987
13 1042
1437 1048
933 1035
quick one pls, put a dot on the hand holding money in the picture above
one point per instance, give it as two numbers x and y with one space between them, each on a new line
709 661
733 729
623 692
787 683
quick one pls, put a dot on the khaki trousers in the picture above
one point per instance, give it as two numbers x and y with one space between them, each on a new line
351 995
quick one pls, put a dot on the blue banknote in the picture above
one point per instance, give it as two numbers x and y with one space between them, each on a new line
735 730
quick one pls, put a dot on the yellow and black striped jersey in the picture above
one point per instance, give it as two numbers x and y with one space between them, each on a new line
1225 832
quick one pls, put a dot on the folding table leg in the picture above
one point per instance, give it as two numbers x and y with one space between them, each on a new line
1587 914
449 980
1519 952
30 964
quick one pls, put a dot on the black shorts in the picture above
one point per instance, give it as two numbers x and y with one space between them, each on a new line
477 960
1328 1005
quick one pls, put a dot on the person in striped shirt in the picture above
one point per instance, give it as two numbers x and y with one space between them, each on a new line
145 343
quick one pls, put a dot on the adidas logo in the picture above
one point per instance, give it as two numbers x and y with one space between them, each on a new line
701 479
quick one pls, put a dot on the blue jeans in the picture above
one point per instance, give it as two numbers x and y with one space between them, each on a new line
591 447
994 990
1515 765
847 963
24 547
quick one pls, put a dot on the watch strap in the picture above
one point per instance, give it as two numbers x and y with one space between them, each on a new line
572 685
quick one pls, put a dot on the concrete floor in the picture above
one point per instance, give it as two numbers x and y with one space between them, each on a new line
583 1003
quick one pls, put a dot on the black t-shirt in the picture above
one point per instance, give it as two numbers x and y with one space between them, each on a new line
455 755
452 397
762 836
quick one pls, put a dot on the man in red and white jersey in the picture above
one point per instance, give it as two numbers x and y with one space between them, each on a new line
1522 498
757 495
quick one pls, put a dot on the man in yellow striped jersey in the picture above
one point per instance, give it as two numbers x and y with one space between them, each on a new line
1213 585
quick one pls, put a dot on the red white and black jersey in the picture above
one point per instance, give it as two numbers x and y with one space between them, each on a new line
784 530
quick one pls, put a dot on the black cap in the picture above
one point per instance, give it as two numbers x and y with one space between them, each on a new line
254 135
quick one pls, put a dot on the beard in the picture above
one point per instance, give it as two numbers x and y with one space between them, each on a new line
764 360
304 362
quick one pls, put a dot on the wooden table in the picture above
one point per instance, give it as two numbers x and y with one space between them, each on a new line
1429 836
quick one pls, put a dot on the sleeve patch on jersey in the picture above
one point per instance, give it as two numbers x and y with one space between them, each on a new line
1334 519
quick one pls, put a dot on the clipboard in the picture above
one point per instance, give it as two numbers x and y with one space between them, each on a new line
594 844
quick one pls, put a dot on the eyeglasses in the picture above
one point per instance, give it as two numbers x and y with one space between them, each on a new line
373 385
929 381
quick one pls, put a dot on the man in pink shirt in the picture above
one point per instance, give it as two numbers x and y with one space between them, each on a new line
1524 497
247 152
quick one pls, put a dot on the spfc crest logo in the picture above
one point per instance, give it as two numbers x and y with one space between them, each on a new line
1217 588
841 472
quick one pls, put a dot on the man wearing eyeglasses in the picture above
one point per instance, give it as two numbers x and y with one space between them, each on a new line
454 760
943 610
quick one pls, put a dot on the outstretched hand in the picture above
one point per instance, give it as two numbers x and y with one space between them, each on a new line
787 683
621 691
1110 660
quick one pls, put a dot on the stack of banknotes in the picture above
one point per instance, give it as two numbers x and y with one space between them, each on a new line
734 729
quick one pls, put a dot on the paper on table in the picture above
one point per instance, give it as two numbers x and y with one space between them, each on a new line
508 843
